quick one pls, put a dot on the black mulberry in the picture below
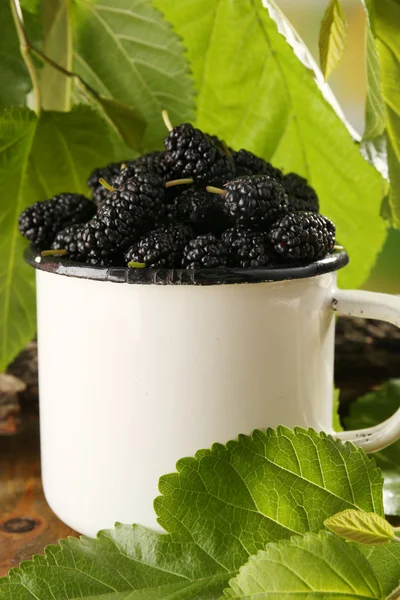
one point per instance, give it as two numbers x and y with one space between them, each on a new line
205 212
67 239
255 201
98 243
152 163
109 174
247 163
301 195
134 207
205 251
302 236
246 248
162 247
192 153
43 220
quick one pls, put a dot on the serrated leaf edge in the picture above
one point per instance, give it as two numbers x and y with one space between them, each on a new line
321 535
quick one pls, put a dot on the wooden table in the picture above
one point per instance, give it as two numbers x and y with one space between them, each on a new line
27 524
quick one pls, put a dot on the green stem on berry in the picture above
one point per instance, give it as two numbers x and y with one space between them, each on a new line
105 184
25 48
123 166
178 182
167 120
54 252
336 247
136 265
215 190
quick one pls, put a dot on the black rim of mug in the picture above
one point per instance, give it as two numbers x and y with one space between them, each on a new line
52 264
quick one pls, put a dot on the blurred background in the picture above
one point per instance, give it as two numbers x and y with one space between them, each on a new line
349 85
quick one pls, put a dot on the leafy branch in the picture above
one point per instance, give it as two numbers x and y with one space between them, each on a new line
125 120
25 47
28 48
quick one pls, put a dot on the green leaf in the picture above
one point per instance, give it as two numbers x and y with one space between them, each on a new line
255 92
30 5
15 80
127 51
332 37
17 293
38 158
55 87
315 566
369 410
385 562
361 527
383 99
375 115
126 121
219 508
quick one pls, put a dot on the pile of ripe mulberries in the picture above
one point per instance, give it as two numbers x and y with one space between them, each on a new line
198 204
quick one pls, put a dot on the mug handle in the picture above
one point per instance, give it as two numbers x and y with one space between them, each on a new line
384 307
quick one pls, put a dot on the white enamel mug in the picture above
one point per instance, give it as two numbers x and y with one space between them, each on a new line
138 368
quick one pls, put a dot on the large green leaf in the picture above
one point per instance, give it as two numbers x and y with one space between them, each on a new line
17 294
38 158
315 566
15 80
382 133
369 410
126 122
385 561
68 146
332 37
56 21
127 51
256 93
219 508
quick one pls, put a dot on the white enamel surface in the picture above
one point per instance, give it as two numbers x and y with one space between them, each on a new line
134 377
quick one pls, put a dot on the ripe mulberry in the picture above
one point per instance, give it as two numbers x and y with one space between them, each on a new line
192 153
205 251
152 163
43 220
205 212
247 163
99 243
134 207
162 247
301 195
67 239
302 236
255 201
246 248
109 174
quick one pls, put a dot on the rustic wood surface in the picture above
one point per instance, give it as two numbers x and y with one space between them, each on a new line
27 524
